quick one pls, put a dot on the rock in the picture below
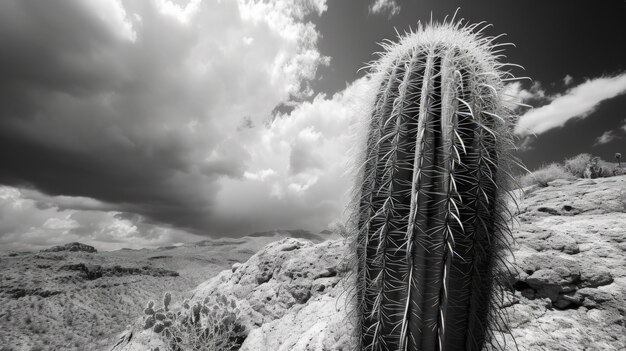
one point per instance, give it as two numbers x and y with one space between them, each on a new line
568 275
279 291
72 247
92 272
594 298
567 269
563 242
17 293
89 271
546 283
596 276
320 325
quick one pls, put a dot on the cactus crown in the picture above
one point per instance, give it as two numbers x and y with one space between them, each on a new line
430 212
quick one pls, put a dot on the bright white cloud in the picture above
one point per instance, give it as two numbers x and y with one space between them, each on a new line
309 152
578 102
181 13
389 7
605 138
260 175
514 94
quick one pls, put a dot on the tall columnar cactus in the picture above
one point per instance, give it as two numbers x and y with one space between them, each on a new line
430 211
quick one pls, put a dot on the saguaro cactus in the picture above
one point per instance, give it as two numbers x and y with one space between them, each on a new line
430 208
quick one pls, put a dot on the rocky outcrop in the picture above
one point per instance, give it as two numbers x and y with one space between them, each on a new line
286 281
73 247
92 271
568 289
571 267
88 271
17 293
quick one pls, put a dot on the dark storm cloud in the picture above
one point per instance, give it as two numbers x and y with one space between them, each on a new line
136 104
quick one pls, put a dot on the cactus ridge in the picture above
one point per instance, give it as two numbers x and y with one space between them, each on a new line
430 210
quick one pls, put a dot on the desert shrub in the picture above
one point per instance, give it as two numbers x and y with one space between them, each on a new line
210 325
608 169
599 168
544 175
577 164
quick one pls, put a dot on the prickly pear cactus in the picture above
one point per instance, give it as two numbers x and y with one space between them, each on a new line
431 212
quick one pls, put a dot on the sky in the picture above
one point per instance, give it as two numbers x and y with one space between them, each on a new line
147 123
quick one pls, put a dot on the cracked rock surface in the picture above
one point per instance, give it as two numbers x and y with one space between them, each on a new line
570 255
568 292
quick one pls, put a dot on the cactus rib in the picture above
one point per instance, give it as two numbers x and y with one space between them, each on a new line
430 210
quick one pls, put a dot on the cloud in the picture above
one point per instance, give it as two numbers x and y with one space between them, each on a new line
567 80
260 175
298 171
514 94
31 220
623 127
578 102
390 7
138 106
605 138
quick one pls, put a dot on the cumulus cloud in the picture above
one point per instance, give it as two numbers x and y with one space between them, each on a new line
138 106
605 138
578 102
32 220
298 166
389 7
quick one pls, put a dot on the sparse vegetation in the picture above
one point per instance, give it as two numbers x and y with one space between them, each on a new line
577 164
78 300
212 325
544 175
580 166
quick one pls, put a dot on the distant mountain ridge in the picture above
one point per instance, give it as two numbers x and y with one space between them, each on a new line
293 233
73 247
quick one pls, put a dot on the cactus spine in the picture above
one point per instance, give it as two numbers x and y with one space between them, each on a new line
430 210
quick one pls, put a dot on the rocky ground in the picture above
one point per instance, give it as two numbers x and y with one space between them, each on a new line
75 298
569 292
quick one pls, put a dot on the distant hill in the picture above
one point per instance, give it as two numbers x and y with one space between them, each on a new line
73 298
295 233
73 247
